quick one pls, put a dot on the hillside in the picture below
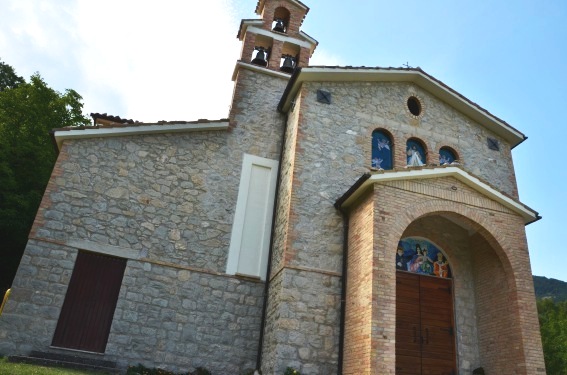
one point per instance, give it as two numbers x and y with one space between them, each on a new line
555 289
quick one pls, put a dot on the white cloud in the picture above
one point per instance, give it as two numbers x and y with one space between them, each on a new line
164 60
149 61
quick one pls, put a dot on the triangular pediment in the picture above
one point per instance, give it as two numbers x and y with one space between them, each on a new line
410 75
482 188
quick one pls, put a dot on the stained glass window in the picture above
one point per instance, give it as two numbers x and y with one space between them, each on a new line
415 153
381 150
446 156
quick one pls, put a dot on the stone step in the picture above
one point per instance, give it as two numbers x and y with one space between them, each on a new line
82 358
66 361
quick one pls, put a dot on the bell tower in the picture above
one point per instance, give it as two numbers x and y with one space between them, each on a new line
275 41
273 46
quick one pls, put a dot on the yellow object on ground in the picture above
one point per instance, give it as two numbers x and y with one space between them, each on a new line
6 295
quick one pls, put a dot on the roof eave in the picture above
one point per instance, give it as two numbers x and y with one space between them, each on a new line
85 132
244 26
261 3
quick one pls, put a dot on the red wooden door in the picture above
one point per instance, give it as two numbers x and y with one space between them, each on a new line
425 342
86 315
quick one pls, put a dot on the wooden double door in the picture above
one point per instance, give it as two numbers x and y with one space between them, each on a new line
425 337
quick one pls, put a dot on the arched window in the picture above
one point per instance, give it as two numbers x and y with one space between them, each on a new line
447 156
415 153
381 150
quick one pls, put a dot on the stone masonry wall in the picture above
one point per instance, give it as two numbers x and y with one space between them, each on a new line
165 202
285 189
333 151
271 338
30 315
183 319
167 317
302 324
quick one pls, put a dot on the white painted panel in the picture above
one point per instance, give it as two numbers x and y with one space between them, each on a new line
254 221
250 240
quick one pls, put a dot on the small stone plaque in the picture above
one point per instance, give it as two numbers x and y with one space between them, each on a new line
323 97
493 144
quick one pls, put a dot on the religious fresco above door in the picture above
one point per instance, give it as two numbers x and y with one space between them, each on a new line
420 256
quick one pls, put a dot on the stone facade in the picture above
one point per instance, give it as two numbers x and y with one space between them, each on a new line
165 198
166 203
167 316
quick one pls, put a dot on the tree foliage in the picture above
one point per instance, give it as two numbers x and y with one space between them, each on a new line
28 111
553 324
8 77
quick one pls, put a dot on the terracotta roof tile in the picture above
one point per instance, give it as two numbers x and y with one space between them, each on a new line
103 118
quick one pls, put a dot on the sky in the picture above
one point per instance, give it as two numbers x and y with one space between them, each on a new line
174 59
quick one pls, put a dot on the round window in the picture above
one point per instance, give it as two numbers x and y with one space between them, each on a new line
414 106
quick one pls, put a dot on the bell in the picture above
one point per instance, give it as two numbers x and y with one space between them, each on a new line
288 65
260 58
279 26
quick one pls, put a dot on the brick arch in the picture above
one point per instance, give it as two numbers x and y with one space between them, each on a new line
505 304
473 217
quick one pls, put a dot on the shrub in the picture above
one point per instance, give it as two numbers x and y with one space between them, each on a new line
201 371
142 370
291 371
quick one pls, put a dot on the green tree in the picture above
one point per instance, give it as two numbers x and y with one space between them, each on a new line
8 77
553 324
28 111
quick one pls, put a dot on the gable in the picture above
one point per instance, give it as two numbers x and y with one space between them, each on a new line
489 196
414 75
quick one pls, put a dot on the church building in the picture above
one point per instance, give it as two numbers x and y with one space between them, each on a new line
341 220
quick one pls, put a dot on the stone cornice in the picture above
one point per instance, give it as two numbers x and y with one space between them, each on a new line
257 68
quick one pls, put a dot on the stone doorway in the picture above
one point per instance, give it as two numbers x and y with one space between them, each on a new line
425 333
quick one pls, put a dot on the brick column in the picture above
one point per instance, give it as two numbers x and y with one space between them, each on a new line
275 55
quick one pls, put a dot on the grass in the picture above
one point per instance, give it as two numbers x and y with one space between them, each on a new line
8 368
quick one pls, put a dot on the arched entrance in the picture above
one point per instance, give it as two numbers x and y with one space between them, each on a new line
491 289
425 324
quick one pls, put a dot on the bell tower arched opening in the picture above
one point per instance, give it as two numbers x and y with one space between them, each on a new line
281 20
